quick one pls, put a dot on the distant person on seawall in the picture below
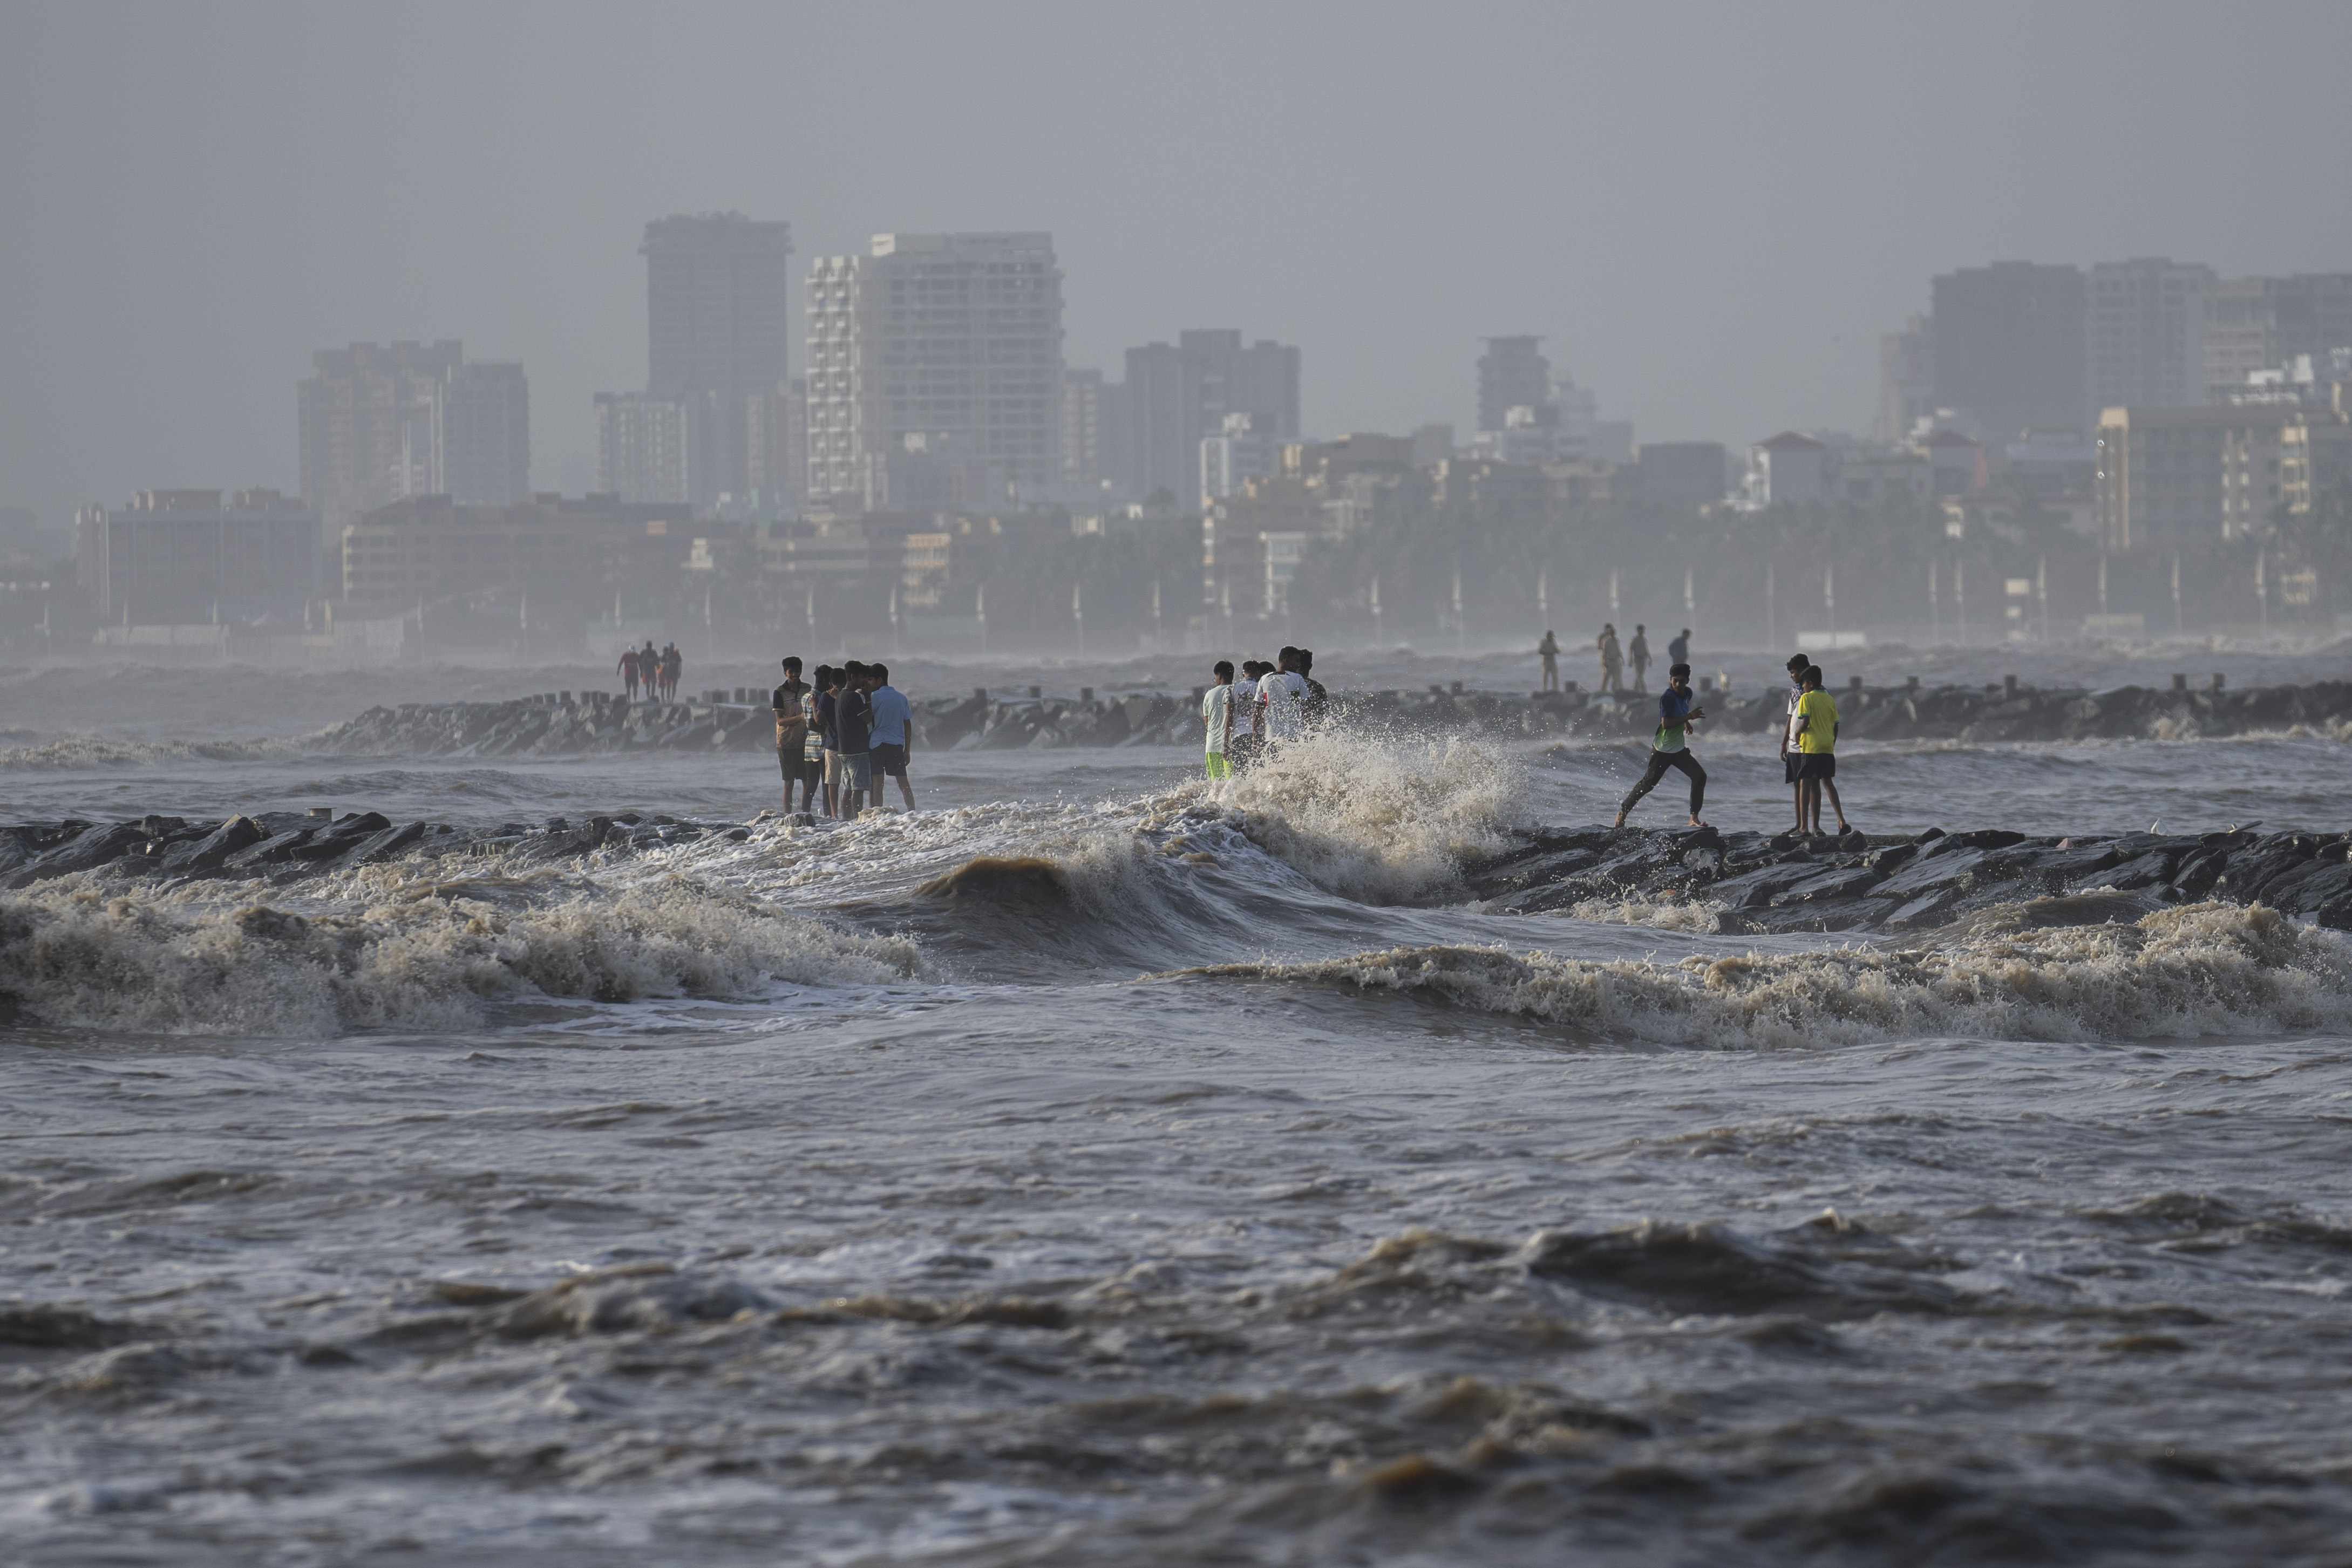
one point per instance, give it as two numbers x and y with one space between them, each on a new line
1548 650
1638 651
1612 660
628 668
1678 651
1670 746
673 666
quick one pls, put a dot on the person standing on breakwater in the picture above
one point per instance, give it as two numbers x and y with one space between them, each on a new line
1678 651
673 666
1549 651
828 712
1282 695
650 671
1246 740
1612 661
1217 718
894 732
1319 701
791 733
628 668
1817 729
1638 651
852 720
1791 757
1670 746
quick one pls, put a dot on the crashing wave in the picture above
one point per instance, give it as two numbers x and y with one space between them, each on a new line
69 753
2202 969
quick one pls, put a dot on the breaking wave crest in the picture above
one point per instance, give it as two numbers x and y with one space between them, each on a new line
68 753
192 963
1379 818
2203 969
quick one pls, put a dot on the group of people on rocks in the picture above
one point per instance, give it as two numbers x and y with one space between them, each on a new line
839 735
1808 747
1247 714
657 672
1614 657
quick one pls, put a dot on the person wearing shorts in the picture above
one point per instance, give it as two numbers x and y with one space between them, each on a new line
1217 718
828 686
1817 729
852 722
791 733
894 733
1792 757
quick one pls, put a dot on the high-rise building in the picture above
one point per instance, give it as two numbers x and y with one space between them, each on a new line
382 422
1178 396
2008 347
1906 379
2171 477
954 339
1093 430
182 557
642 446
2145 332
777 461
1245 448
1512 373
717 394
2263 323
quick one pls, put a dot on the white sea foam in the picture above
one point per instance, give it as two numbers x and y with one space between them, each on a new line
2205 969
205 961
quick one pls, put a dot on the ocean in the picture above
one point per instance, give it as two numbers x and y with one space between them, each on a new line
1097 1166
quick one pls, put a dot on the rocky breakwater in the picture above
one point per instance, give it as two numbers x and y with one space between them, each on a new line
1746 882
280 846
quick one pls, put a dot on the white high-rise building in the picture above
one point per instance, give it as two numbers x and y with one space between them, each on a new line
952 338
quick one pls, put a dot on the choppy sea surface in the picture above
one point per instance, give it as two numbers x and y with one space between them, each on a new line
1095 1165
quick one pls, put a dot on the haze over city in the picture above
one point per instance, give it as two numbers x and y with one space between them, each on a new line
1711 213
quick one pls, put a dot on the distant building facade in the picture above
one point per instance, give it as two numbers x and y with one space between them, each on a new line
1906 379
2171 477
1788 468
952 338
2145 332
2255 324
1246 448
1094 430
1680 477
644 447
1179 394
429 548
1512 373
380 422
2008 347
181 557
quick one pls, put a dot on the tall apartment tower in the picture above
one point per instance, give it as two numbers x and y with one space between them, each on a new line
2008 347
1512 373
718 330
946 344
1093 430
1178 396
2145 326
380 422
2262 323
1906 379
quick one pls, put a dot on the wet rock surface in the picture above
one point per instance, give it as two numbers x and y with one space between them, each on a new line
565 724
1870 882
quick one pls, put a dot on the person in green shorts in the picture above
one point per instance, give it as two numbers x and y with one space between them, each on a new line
1817 730
1217 718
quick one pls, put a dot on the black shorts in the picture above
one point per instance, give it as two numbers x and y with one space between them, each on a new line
1818 765
1791 766
889 761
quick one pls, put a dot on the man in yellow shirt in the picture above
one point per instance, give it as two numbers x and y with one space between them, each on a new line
1817 731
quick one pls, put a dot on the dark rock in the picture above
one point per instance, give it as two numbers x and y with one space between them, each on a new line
1929 871
206 855
85 851
1831 887
274 850
383 845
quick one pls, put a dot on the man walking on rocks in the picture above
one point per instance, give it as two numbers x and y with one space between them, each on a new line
628 668
1638 651
1612 661
1549 651
1670 747
1678 651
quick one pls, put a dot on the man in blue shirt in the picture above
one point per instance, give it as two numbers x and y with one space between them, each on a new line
1671 745
893 733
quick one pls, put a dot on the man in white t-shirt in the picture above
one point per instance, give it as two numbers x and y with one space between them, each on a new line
1791 757
1283 696
1217 717
1243 750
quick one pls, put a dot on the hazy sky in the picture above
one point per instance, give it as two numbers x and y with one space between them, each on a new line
1711 211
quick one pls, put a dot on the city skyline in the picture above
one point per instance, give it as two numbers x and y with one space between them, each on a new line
1713 308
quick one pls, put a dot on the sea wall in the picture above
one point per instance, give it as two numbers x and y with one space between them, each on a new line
563 724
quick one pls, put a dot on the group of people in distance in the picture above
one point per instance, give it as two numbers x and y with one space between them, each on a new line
657 672
1265 705
1614 658
1807 745
839 735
